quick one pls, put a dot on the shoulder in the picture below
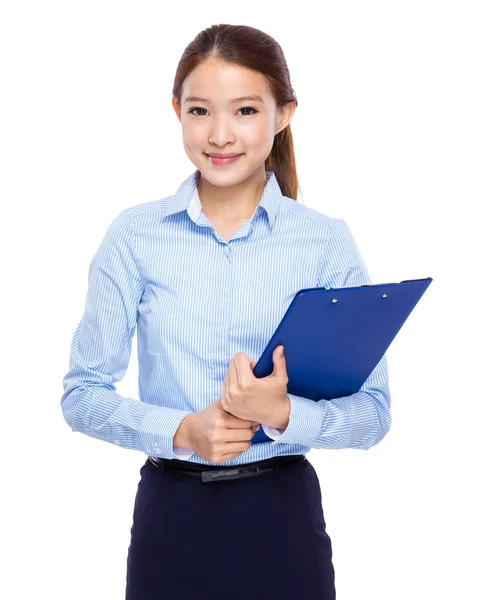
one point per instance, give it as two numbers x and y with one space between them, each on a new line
144 208
126 219
294 207
122 228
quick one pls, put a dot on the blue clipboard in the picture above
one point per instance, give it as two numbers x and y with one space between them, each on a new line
334 337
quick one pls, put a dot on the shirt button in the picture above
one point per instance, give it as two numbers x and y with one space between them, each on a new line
117 442
157 450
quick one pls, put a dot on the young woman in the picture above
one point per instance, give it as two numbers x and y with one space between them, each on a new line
205 275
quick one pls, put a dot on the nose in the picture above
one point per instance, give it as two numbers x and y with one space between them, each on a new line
221 132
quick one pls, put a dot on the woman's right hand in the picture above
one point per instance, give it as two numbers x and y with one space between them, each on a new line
217 436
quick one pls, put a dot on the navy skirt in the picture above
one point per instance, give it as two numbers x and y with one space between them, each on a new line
251 538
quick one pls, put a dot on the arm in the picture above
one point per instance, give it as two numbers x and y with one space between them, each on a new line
362 419
100 352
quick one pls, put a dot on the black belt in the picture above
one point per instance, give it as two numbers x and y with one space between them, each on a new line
210 473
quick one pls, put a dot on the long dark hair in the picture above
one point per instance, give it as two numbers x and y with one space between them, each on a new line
251 48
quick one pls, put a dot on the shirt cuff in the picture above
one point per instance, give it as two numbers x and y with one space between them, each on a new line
182 453
304 424
272 432
157 430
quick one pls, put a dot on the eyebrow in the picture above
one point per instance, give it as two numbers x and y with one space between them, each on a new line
254 97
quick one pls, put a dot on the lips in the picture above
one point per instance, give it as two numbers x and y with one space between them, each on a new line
217 160
224 155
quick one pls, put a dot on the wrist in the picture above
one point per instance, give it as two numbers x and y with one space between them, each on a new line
282 416
181 437
286 413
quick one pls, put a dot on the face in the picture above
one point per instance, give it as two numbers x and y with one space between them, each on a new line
219 125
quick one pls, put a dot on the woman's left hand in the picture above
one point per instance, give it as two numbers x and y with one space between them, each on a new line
263 399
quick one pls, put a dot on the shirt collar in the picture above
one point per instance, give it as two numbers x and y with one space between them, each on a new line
187 198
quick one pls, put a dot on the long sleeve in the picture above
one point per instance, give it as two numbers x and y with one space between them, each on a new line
359 420
100 353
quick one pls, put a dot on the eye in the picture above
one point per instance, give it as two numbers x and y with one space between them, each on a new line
249 108
197 108
244 108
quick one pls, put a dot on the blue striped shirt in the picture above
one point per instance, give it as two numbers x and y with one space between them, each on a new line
196 300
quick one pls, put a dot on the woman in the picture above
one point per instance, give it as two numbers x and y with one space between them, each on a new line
206 275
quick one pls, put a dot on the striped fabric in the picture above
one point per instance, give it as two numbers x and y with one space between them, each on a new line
196 300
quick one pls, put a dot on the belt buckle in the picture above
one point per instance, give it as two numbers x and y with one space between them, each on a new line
210 476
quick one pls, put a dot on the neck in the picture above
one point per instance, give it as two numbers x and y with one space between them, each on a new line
234 202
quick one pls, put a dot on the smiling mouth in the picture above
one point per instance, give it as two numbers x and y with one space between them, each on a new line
224 155
217 160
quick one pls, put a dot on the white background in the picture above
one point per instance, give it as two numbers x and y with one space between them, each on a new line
385 137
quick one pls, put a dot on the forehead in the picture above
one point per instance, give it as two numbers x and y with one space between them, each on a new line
218 82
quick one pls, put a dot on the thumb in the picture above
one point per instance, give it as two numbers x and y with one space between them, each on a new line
278 358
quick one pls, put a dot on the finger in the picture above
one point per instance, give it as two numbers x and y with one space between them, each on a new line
236 436
236 423
241 371
228 375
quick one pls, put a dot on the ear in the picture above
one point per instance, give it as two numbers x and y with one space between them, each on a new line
176 107
284 115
